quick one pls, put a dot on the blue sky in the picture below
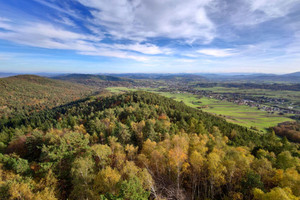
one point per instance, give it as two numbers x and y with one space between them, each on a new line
169 36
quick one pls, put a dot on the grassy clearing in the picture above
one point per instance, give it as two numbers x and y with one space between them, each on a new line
243 115
239 114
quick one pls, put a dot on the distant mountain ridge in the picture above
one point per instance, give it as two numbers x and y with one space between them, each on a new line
216 77
89 76
43 74
166 77
95 80
4 74
292 77
260 77
294 74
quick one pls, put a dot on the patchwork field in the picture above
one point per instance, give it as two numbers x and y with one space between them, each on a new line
293 96
243 115
239 114
273 93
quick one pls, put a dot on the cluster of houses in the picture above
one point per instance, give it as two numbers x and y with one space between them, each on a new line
264 103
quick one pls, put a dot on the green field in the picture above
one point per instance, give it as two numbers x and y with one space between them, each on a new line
242 114
274 93
239 114
293 96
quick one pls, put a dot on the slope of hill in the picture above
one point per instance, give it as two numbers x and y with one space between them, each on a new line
95 80
141 146
167 105
294 74
27 93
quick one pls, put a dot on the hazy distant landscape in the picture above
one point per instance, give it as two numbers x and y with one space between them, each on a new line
149 100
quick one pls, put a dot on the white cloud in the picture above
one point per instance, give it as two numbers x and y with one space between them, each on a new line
47 36
3 19
95 30
114 53
4 23
274 8
183 60
143 48
53 37
66 21
217 52
137 20
156 31
64 9
248 13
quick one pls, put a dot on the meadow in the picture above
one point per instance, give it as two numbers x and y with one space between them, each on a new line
293 96
239 114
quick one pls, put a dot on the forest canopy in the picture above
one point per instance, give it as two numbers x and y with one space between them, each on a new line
140 145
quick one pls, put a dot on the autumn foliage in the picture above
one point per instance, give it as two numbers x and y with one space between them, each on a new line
142 146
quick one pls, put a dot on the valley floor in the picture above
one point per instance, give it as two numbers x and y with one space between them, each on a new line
244 115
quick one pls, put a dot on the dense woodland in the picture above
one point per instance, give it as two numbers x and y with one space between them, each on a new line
290 130
103 81
29 93
141 146
98 81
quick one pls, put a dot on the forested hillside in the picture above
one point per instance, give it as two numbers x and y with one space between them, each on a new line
28 93
138 146
95 80
290 130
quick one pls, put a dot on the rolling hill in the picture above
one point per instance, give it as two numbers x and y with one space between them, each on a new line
291 77
218 77
95 80
27 93
140 146
165 77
